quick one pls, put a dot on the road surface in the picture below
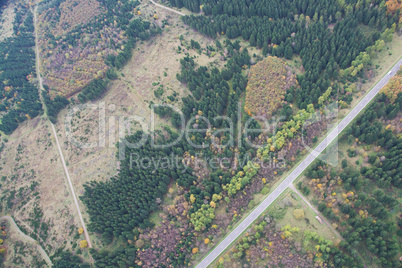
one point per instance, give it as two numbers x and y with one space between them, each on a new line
55 134
14 226
167 8
220 248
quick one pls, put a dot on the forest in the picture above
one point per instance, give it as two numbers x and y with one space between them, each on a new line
334 51
20 97
362 200
284 28
53 107
117 200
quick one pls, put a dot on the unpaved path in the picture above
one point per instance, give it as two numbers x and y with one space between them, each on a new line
15 227
168 8
55 134
316 211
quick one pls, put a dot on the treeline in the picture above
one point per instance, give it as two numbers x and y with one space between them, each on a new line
369 209
124 256
125 202
20 98
284 28
93 90
121 257
168 113
64 259
3 4
53 107
137 28
370 131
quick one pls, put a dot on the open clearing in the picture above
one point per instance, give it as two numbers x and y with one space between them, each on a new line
31 167
6 21
284 208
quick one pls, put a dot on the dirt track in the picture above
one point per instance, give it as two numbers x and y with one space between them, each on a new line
28 238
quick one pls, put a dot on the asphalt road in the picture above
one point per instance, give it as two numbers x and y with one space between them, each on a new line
14 226
297 171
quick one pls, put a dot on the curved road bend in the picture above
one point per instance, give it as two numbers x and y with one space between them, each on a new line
220 248
30 239
55 134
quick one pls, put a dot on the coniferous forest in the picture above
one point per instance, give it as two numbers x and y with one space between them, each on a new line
17 65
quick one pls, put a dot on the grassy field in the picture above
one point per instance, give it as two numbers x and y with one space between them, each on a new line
286 216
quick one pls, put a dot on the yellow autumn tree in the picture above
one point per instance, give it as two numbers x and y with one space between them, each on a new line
298 213
393 88
207 241
83 243
212 204
195 250
80 230
287 233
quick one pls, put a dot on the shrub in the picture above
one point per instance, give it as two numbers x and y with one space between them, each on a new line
264 190
298 213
